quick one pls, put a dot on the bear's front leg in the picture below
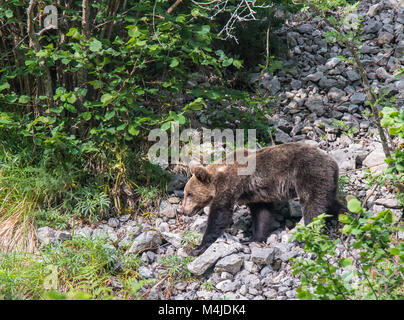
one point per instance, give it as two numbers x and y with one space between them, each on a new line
218 220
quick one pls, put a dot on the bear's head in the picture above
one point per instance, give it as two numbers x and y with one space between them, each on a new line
199 191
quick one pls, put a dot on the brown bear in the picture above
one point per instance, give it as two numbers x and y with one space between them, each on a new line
281 172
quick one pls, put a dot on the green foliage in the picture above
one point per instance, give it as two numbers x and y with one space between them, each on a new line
177 266
78 148
373 268
78 269
393 120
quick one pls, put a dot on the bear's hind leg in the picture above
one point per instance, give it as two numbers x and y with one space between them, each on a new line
262 221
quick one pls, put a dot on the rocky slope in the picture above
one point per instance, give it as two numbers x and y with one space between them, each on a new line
321 102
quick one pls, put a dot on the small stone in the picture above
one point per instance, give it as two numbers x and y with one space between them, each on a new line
262 255
124 218
315 104
113 222
336 94
384 37
389 203
358 98
172 238
230 264
177 182
167 210
352 75
305 28
45 235
84 232
217 250
282 137
382 74
314 76
373 10
146 240
227 285
332 63
296 84
328 82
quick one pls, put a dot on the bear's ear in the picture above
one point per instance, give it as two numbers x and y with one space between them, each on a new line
200 172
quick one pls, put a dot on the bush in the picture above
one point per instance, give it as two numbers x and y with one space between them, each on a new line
371 268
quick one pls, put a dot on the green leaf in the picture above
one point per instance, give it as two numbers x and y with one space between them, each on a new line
237 63
165 126
394 251
394 131
355 206
86 116
344 218
227 62
72 98
95 45
24 99
174 62
133 130
109 115
9 13
181 119
70 108
4 85
107 98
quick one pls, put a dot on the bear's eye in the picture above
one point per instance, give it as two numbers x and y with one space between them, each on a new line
189 195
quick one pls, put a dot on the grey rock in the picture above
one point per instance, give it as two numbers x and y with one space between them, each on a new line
84 232
375 161
230 264
145 272
328 82
296 84
274 85
45 235
250 266
345 158
366 49
146 240
172 238
315 104
228 285
199 224
389 203
372 26
314 76
282 137
63 235
252 281
384 37
124 218
220 248
305 28
167 210
262 255
332 63
358 98
113 222
382 74
177 182
336 94
106 233
352 75
373 10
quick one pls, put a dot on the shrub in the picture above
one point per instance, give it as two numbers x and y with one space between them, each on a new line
372 267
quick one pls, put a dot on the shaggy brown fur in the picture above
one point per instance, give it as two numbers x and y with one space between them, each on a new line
282 172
